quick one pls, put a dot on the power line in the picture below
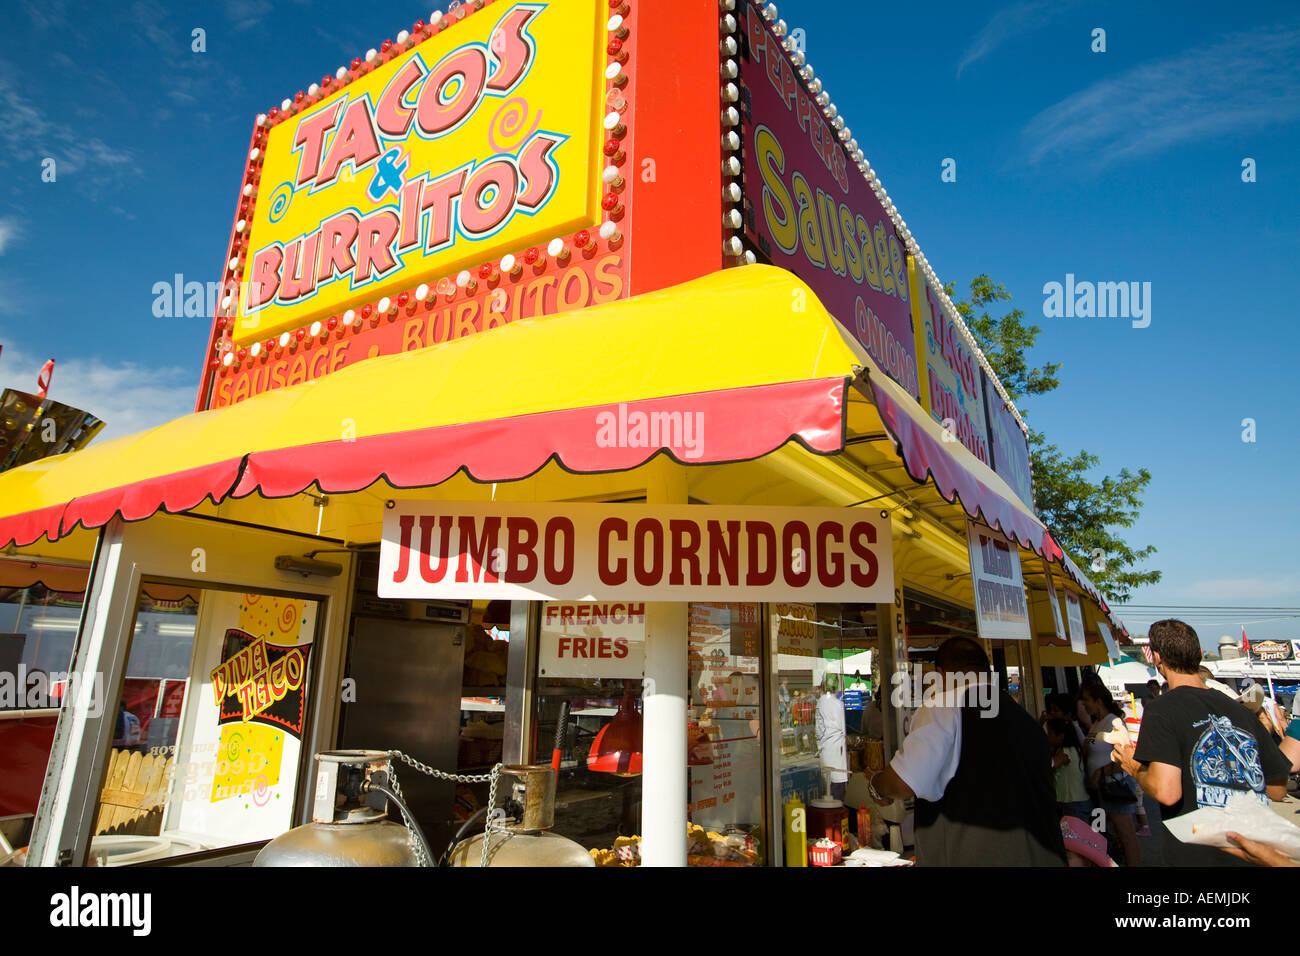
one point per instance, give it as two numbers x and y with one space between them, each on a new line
1210 607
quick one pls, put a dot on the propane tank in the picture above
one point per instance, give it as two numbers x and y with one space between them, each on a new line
523 839
349 820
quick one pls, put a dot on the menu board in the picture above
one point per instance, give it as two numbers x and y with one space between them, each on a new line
724 719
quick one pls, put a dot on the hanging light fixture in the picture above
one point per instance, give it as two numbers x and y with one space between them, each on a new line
617 748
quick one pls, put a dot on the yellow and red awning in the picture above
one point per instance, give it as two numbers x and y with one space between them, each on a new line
604 389
722 369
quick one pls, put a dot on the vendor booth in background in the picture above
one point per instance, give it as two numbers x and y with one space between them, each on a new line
570 408
39 605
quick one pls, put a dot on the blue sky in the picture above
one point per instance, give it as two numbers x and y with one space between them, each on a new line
1117 166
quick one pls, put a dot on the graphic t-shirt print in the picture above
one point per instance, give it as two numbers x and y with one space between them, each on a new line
1225 761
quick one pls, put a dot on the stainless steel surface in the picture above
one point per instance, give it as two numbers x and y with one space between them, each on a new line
533 787
339 775
522 849
408 681
520 668
380 843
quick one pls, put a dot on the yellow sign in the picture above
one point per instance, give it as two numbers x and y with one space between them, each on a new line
484 139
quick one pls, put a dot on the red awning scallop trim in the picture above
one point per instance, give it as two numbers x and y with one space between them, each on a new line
702 428
925 457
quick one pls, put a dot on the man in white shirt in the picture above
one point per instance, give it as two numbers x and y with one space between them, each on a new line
980 770
832 748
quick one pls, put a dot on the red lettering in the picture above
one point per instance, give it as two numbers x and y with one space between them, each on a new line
431 113
339 233
355 141
265 277
299 276
830 565
556 529
310 138
754 532
620 647
863 529
405 524
478 216
617 574
580 647
438 196
477 550
562 644
521 542
650 574
427 571
513 52
539 176
685 536
724 554
603 648
391 116
797 579
374 241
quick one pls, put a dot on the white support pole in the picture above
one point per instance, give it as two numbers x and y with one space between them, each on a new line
664 781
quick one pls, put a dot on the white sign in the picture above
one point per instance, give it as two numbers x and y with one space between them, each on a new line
569 551
1000 607
1074 611
592 640
1078 647
1112 649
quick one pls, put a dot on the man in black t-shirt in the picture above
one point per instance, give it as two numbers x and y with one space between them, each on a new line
1197 746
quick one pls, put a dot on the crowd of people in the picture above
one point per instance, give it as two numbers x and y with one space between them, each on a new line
991 787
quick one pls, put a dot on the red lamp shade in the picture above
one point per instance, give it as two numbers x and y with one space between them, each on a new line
617 748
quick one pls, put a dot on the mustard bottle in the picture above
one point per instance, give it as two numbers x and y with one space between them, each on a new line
796 832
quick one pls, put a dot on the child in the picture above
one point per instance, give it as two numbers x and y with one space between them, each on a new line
1067 762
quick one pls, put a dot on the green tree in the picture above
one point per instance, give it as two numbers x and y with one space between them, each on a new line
1085 516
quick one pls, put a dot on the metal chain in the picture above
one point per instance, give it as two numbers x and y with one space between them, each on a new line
489 778
488 820
442 774
417 850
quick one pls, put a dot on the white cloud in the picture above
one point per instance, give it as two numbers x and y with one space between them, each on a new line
128 397
1009 22
1247 80
8 232
27 134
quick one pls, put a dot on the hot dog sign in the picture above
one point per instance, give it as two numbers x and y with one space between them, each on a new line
480 140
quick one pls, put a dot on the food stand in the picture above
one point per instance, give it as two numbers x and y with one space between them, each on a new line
568 404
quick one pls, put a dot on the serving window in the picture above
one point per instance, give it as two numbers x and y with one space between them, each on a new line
588 721
725 734
825 655
207 747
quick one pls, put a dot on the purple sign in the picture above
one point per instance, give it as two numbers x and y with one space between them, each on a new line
1008 444
810 211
